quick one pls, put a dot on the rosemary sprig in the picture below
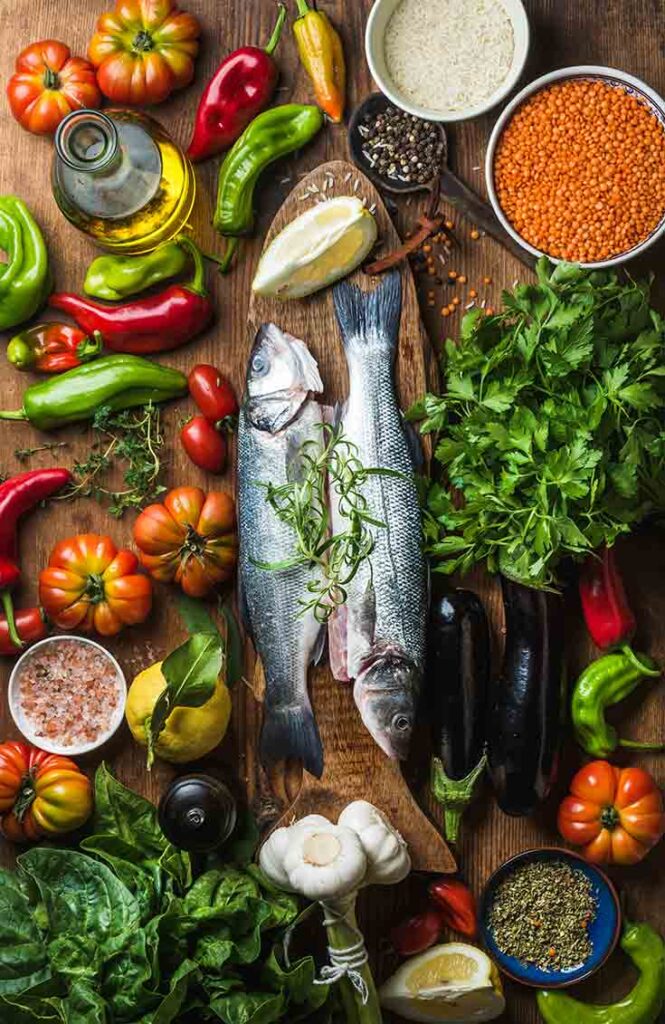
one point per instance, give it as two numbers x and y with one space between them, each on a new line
133 436
303 504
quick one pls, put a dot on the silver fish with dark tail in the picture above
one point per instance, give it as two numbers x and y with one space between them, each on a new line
277 416
377 637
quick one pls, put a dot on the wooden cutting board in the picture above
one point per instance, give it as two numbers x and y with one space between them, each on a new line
355 767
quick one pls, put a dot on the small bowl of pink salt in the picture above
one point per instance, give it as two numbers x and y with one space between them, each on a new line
67 695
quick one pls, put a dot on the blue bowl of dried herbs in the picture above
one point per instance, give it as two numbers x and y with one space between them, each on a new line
548 918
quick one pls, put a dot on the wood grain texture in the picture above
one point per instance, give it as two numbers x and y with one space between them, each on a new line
354 766
625 33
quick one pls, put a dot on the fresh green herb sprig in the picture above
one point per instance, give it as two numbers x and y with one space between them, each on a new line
303 504
550 427
25 454
134 437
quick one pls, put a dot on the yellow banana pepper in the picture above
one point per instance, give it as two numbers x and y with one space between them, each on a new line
322 56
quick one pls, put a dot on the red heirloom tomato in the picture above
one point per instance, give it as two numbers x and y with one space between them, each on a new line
91 585
49 83
615 814
143 50
40 794
213 394
190 539
204 444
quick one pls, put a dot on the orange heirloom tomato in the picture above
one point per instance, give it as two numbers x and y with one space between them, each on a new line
190 539
40 794
143 50
615 814
91 585
49 83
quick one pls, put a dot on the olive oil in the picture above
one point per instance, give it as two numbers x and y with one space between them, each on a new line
120 178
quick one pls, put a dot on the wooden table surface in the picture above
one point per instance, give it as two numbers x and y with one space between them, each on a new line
629 34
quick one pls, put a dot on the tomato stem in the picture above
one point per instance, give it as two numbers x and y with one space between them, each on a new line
609 818
51 79
26 796
143 42
94 588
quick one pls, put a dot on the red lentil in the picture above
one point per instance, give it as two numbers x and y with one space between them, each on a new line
580 170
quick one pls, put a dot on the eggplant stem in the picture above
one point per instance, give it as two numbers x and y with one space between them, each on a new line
454 794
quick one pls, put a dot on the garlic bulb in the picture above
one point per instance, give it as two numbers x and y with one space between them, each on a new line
271 856
386 851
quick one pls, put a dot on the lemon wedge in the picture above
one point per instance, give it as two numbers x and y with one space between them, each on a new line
322 245
453 982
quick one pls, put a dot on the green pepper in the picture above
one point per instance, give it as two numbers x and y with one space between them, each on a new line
24 279
116 382
603 683
118 277
643 1004
273 134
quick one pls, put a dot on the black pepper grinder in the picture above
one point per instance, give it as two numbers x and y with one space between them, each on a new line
197 813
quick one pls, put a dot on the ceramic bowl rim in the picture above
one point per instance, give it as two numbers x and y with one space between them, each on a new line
607 74
515 11
554 851
55 748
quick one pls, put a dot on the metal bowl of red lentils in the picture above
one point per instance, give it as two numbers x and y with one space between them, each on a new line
67 695
575 166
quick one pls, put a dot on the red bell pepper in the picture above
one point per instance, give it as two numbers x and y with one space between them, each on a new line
31 626
158 323
456 905
52 348
19 494
240 88
607 614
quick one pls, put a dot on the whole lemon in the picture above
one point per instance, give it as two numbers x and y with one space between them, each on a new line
189 733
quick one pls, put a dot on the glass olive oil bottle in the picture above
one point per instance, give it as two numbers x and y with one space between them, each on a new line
120 178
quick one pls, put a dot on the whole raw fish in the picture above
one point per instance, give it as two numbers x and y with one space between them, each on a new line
377 637
277 416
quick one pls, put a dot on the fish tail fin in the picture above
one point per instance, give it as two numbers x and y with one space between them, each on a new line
292 732
369 318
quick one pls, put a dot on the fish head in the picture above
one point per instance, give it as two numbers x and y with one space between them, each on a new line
386 693
281 373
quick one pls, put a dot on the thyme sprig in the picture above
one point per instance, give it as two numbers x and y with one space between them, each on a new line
304 505
134 437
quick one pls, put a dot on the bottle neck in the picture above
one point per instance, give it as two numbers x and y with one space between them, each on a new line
87 140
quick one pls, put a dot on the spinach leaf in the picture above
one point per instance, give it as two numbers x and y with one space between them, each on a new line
84 1005
122 813
23 961
31 1009
191 673
143 881
90 913
249 1007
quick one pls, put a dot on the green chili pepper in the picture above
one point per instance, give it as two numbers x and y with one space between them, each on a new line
116 382
273 134
24 278
118 277
603 683
643 1004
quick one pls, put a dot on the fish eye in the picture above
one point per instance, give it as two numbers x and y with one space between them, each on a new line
401 723
260 364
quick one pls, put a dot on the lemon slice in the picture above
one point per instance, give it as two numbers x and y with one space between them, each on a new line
454 982
323 244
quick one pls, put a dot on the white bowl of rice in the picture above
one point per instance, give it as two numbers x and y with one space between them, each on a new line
67 695
447 60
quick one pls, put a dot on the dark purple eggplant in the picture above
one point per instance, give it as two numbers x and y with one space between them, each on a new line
526 712
457 681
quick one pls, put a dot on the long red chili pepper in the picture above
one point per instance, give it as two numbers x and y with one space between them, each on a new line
31 626
456 905
19 494
607 613
240 88
158 323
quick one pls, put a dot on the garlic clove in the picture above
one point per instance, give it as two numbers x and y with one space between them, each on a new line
386 851
324 861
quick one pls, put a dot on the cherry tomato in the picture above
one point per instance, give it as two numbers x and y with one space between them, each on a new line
213 394
418 933
204 444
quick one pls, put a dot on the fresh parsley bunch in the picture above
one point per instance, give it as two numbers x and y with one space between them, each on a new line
551 425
